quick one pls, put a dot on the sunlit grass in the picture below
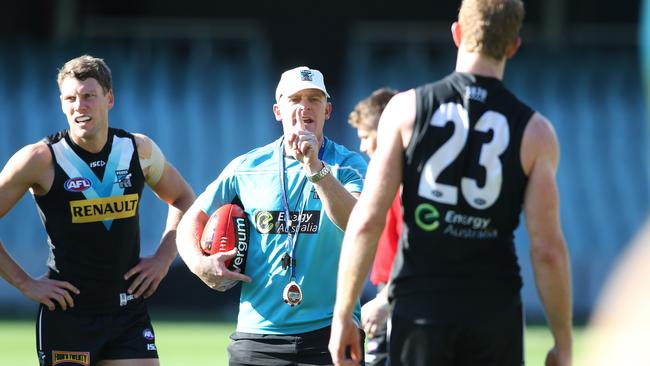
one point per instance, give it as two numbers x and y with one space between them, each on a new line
204 343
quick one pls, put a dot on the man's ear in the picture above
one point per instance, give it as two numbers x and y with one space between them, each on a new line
328 111
111 99
456 34
276 112
512 49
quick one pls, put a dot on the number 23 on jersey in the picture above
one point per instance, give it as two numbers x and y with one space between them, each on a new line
479 197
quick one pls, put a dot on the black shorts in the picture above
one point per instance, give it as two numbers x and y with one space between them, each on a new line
494 339
85 339
248 349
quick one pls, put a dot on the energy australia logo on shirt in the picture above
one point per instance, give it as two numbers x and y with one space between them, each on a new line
275 222
453 223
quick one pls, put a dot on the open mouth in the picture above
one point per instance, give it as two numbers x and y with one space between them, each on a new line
83 118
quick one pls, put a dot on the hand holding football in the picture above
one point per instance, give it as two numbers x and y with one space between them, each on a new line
227 228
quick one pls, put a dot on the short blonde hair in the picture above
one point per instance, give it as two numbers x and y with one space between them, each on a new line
367 112
489 27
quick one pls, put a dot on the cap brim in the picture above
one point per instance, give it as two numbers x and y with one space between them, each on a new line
304 86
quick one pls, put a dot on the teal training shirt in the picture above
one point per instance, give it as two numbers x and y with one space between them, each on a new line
255 179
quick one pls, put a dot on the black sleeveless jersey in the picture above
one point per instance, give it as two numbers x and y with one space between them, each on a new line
463 189
91 217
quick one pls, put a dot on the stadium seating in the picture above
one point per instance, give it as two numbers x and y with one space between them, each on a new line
205 102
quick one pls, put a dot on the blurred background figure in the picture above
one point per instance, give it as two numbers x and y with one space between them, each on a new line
620 327
374 313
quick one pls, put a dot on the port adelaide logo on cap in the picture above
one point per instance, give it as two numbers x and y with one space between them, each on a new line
306 75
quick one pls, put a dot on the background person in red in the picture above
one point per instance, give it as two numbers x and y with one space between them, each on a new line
374 313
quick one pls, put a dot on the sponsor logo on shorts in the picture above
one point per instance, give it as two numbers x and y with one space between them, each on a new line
148 334
77 184
125 298
100 209
79 358
275 222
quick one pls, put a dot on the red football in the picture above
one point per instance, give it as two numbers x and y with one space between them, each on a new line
226 229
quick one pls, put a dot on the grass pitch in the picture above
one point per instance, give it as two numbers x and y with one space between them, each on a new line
204 343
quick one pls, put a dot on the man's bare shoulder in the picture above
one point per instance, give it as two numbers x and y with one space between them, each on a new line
33 156
403 101
151 158
539 141
399 116
541 127
30 167
143 143
406 95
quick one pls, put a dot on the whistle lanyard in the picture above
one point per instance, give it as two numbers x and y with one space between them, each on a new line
291 238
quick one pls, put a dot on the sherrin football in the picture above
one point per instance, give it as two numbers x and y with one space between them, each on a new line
226 229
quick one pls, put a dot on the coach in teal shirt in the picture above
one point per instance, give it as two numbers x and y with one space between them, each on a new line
297 193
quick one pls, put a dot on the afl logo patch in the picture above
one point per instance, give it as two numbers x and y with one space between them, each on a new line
148 334
77 184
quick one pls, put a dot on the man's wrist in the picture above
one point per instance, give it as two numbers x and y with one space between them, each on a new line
166 255
320 174
381 300
313 167
342 313
22 283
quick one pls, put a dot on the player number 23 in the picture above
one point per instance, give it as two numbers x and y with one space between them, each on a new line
477 197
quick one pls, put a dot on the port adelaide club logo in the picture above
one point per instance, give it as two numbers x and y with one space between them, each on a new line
123 178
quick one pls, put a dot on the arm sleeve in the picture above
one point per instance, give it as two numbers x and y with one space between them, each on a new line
352 173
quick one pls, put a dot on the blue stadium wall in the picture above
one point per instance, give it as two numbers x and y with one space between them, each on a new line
205 102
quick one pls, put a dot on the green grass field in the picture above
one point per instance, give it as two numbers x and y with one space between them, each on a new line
204 343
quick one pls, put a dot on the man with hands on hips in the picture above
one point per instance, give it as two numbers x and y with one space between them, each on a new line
87 181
